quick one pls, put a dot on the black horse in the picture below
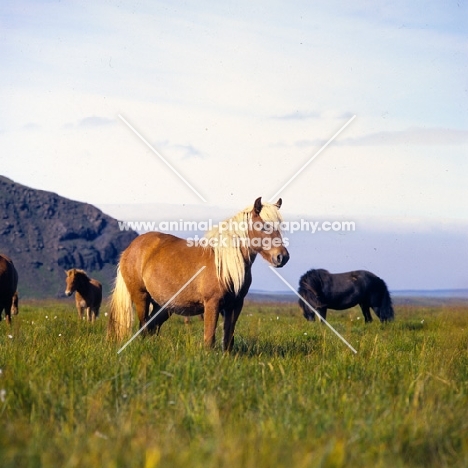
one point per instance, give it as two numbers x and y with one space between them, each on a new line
324 290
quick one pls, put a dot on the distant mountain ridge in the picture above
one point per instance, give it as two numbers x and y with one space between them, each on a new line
44 233
440 293
399 296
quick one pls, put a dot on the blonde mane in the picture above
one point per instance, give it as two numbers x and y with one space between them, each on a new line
229 242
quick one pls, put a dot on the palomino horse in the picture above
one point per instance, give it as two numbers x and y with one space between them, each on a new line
8 285
155 266
323 290
88 293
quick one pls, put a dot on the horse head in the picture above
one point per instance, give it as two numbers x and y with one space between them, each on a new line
71 281
265 236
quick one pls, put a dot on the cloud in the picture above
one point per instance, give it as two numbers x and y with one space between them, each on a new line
89 122
94 121
315 115
411 136
184 151
31 126
299 115
190 151
415 136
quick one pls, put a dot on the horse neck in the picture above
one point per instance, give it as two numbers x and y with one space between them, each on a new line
232 268
231 271
250 258
82 285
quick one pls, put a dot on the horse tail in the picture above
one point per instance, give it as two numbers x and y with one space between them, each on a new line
121 310
386 307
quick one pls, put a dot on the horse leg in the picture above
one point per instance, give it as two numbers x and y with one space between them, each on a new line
79 308
155 320
141 301
7 311
95 313
211 314
366 312
322 312
230 320
187 319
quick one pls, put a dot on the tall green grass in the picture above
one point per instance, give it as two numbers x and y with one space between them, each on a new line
291 394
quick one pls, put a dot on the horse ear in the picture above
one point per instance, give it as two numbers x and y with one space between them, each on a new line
258 205
279 203
66 272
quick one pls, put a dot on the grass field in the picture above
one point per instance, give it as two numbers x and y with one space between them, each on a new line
291 394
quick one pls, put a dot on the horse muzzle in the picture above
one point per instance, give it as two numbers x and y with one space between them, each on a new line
68 293
279 260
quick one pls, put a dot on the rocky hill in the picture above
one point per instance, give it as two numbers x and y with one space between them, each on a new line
44 234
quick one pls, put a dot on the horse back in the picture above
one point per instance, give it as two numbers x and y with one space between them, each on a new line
341 291
161 263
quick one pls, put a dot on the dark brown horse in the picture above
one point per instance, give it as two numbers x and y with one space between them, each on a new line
323 290
88 293
155 268
8 285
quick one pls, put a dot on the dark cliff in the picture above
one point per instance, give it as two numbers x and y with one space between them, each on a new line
44 233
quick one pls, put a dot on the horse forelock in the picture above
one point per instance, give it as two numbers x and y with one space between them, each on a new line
229 256
270 213
80 273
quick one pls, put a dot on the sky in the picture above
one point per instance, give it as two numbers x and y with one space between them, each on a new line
237 97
